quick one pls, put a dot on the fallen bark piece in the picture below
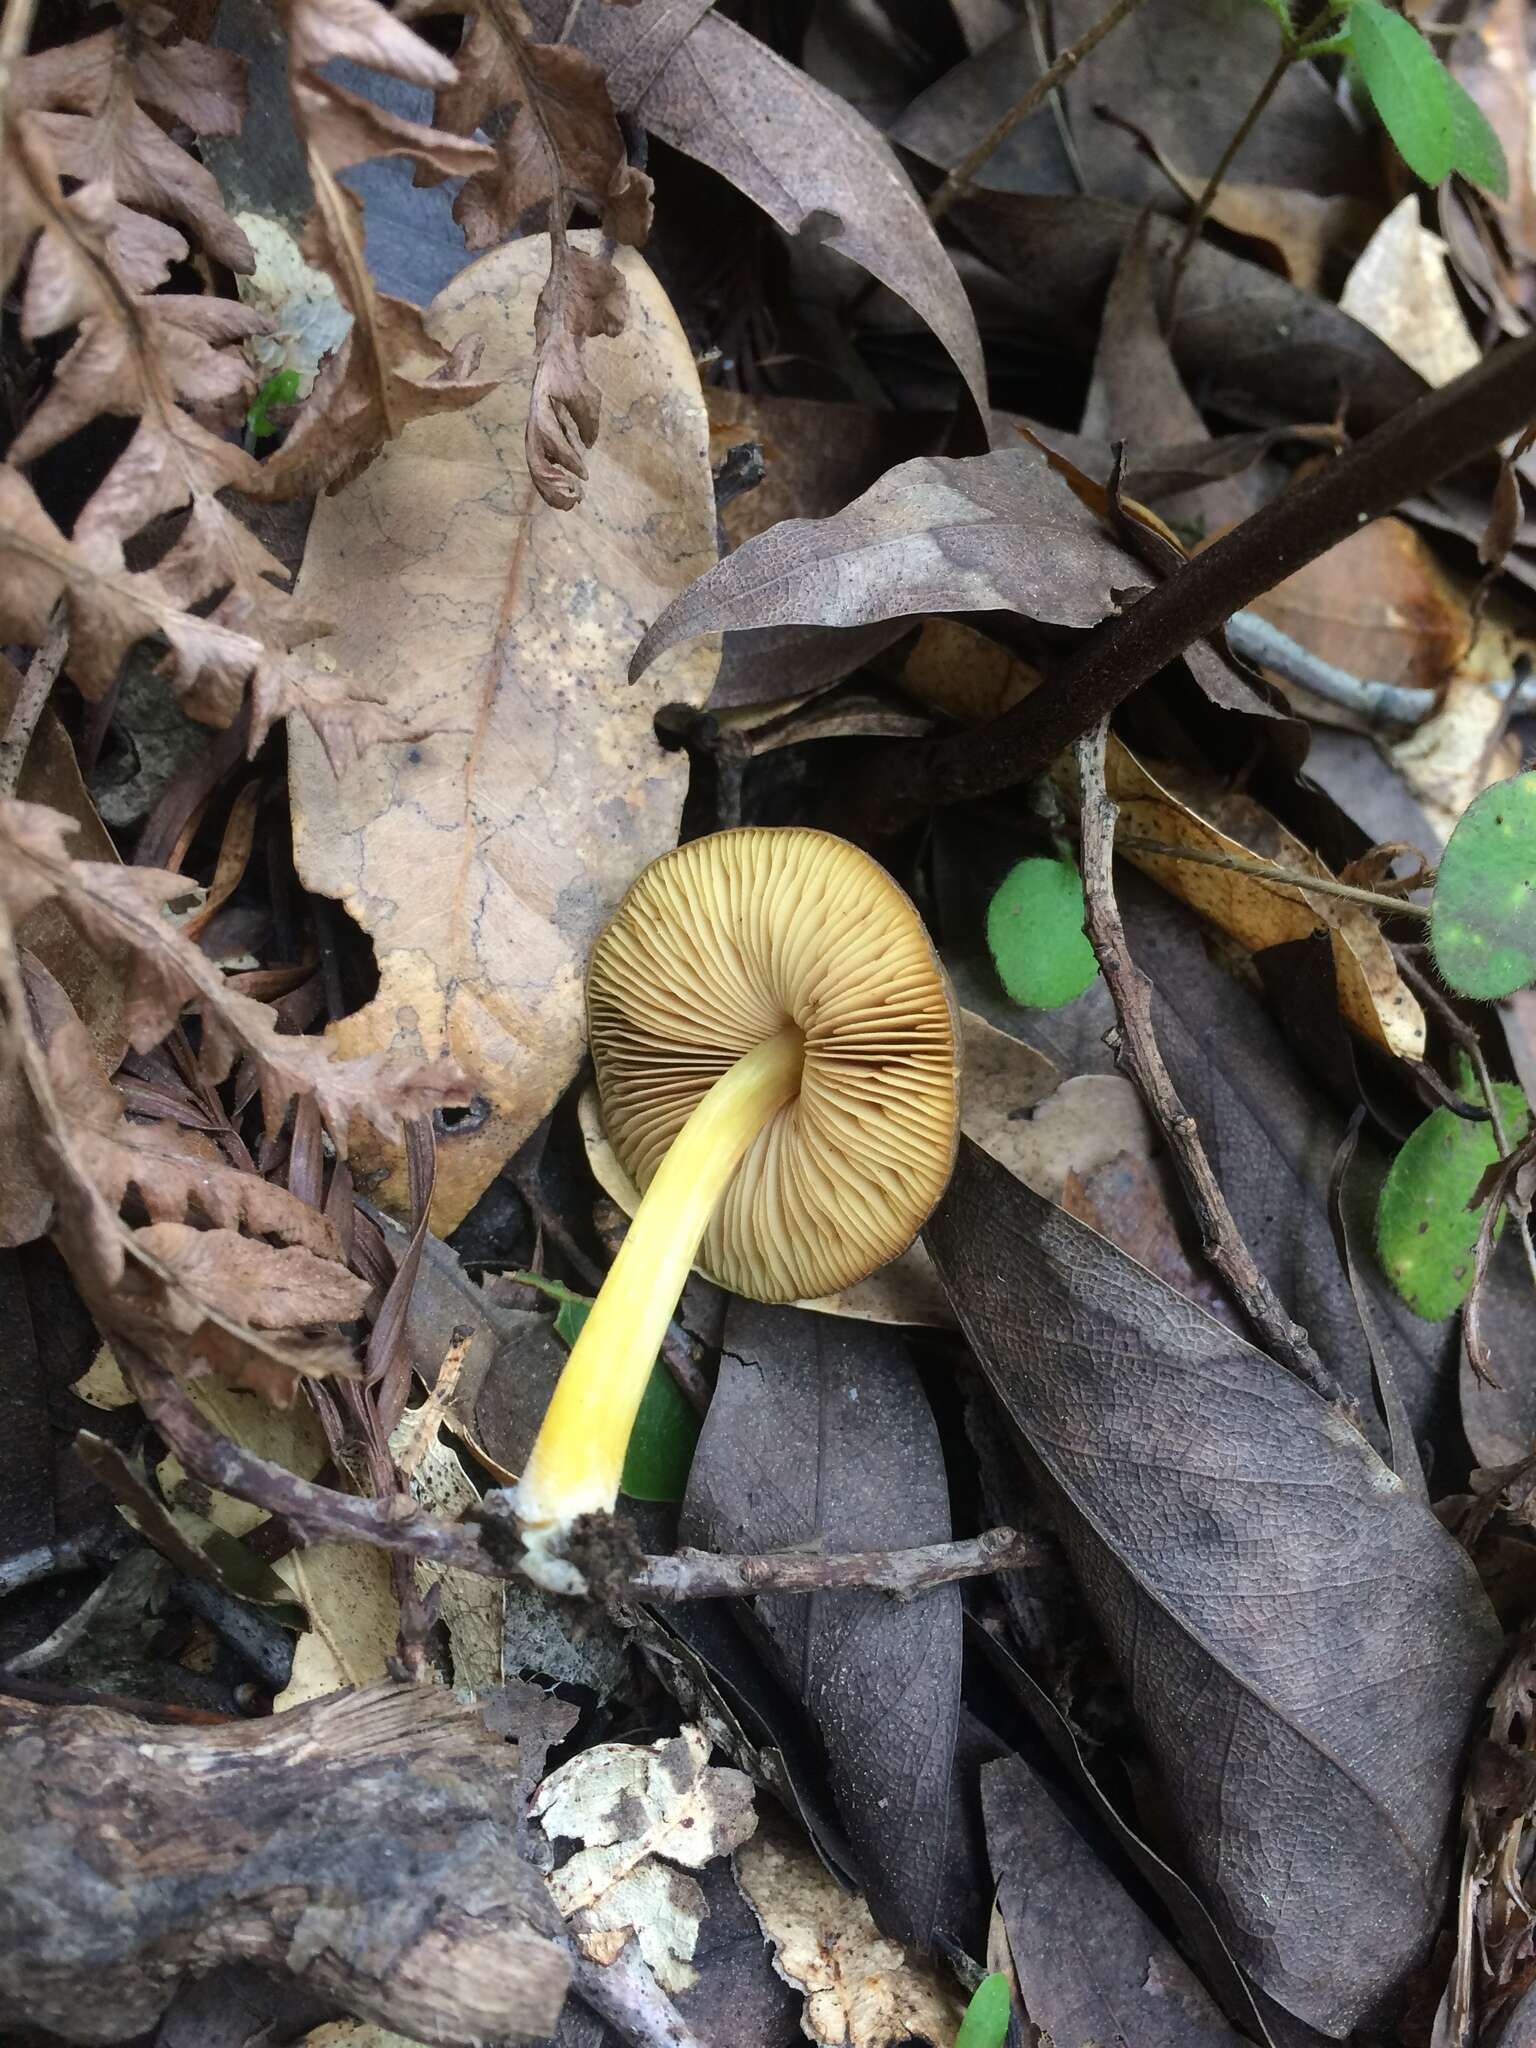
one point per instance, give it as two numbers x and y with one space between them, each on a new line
364 1845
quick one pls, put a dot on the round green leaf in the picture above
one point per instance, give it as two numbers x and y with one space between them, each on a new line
1483 917
1035 933
986 2017
1425 1233
1408 86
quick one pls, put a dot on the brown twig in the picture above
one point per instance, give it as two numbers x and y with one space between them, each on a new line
36 688
954 186
701 1575
1213 184
394 1522
1139 1054
1426 441
1271 871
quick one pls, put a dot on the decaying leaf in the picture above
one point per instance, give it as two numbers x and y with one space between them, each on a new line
1400 289
861 1990
1093 1971
96 93
993 532
472 1608
640 1812
1240 1546
354 1619
122 910
1373 997
484 860
705 85
820 1435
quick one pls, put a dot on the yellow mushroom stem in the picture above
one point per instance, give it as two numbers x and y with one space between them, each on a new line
578 1457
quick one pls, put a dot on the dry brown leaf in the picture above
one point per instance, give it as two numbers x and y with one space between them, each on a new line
94 987
641 1812
707 86
94 93
1461 749
484 862
1400 289
1377 605
121 910
1373 998
559 140
861 1991
271 1287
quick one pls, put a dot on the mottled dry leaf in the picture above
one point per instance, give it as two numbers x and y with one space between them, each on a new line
640 1812
1461 749
1373 997
354 1619
861 1991
1304 1646
472 1608
993 532
484 861
1401 290
800 152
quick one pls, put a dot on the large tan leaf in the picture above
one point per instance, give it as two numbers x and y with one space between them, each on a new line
484 860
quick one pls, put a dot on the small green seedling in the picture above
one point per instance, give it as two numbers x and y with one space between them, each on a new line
1436 124
1035 935
281 389
986 2017
1483 917
1425 1232
666 1431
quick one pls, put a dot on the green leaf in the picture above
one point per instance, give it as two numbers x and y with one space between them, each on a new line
986 2017
281 389
1425 1232
1483 917
1408 86
1035 934
666 1431
1479 152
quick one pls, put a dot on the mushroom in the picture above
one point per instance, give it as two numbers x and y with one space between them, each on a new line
777 1062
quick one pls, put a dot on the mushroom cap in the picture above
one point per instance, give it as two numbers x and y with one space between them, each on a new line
718 946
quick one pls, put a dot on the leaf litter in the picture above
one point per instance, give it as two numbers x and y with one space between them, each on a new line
961 338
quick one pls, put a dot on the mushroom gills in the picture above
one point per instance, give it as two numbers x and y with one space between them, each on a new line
578 1456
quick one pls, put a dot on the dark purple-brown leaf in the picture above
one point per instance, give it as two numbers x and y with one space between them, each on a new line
1304 1646
819 1433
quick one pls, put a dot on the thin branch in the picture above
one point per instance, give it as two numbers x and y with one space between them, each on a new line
701 1575
1213 183
954 186
1139 1054
36 688
1269 871
1256 640
1440 432
393 1522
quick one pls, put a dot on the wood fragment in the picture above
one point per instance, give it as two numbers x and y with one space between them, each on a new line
364 1845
